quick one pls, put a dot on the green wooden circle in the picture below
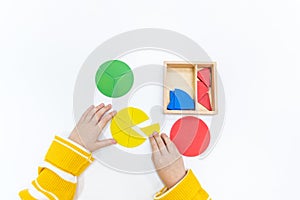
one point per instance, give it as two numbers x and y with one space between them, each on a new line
114 78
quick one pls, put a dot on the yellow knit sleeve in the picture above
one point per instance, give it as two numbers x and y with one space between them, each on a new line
187 189
68 156
57 175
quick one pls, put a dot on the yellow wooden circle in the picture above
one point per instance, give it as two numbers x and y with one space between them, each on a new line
122 127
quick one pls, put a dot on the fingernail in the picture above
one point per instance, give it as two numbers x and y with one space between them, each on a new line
155 133
100 105
114 141
113 113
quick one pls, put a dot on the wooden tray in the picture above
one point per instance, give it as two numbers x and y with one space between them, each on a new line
183 75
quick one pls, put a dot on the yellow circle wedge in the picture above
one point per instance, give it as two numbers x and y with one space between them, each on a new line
124 127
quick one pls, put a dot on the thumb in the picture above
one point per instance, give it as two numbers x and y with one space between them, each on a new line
104 143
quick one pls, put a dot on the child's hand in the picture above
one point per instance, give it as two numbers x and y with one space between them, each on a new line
167 160
90 126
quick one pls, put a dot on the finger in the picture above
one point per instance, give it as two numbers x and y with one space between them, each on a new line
99 114
104 143
86 112
103 122
91 114
153 143
172 148
167 141
161 145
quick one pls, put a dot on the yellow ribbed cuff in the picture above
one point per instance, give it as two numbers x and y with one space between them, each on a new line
68 157
188 188
24 194
53 186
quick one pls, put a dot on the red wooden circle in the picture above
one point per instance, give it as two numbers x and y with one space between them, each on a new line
190 135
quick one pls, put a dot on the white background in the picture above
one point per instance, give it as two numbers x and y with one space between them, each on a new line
256 44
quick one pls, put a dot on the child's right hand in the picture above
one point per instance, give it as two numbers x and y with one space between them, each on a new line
90 126
167 160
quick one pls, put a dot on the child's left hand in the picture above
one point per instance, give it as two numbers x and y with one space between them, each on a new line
90 126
